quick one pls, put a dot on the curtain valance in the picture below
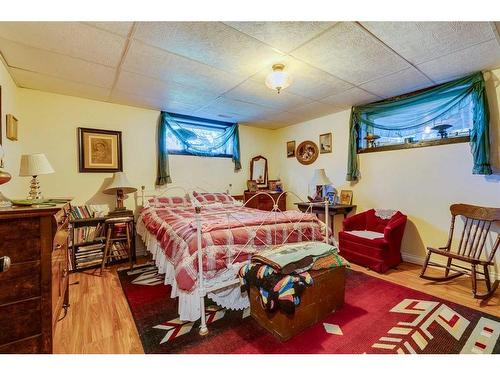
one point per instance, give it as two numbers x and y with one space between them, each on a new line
201 142
463 100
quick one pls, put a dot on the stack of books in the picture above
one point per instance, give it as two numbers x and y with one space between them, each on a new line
119 251
88 211
89 255
88 234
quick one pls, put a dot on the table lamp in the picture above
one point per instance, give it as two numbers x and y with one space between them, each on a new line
119 186
34 165
320 180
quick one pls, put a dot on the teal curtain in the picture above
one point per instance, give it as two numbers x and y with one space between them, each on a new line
195 136
459 101
163 167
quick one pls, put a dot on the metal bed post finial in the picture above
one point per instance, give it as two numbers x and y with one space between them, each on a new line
203 325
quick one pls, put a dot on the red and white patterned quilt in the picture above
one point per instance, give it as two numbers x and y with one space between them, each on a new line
229 235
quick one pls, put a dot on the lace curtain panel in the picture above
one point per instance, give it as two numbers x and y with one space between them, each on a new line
462 101
194 136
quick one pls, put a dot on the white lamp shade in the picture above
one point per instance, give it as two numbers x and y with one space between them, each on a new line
34 165
120 182
320 178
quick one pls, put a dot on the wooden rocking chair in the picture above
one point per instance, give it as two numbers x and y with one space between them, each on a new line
478 221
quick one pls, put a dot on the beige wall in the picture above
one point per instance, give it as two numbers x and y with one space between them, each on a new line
10 104
420 182
48 123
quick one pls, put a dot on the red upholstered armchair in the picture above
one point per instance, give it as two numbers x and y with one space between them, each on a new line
373 239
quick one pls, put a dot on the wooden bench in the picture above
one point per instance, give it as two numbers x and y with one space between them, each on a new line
325 296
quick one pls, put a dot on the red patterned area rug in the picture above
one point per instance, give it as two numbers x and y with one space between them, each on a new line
378 317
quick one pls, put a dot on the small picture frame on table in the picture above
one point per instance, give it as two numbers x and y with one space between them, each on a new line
99 150
346 197
252 185
274 185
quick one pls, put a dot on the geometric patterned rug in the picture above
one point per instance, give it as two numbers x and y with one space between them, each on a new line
378 317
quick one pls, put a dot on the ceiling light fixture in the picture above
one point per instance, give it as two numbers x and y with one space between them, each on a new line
279 79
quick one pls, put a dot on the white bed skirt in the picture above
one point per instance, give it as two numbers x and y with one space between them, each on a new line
189 302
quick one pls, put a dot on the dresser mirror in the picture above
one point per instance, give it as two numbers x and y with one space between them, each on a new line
258 171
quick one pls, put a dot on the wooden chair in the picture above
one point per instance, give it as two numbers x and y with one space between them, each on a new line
477 224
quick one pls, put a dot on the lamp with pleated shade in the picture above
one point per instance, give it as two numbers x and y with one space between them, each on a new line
119 186
34 165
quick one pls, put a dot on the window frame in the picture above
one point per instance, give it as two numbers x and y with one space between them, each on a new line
404 146
202 122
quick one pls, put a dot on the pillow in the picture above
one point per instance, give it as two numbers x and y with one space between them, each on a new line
170 202
212 198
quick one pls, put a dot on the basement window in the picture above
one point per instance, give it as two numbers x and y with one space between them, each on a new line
198 136
452 127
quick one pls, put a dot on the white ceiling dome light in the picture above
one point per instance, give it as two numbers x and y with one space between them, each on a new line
279 79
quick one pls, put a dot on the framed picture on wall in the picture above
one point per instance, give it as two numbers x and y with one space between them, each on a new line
290 149
99 150
325 143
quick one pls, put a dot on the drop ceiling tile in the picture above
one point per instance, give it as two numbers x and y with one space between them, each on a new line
157 63
225 109
259 93
423 41
307 80
479 57
57 65
68 38
402 82
284 36
167 91
120 28
350 53
212 43
42 82
314 110
348 98
155 103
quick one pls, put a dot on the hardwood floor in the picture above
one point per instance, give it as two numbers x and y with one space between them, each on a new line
99 319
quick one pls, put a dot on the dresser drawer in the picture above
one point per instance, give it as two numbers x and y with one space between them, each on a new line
31 345
20 250
20 320
20 282
16 229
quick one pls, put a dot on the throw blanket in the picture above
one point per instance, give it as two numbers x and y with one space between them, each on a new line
276 291
294 257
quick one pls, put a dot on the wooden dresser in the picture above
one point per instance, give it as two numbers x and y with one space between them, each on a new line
34 290
262 201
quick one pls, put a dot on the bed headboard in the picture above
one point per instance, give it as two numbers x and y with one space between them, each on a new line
169 191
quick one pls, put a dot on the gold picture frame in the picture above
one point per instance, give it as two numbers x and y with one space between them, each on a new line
11 127
290 149
325 143
345 197
99 150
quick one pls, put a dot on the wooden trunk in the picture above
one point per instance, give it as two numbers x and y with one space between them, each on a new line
35 288
318 301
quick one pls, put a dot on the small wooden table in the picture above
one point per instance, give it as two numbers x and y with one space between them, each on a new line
333 209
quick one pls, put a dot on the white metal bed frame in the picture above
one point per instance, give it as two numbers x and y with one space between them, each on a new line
202 290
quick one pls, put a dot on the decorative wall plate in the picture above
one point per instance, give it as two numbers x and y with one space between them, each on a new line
307 152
